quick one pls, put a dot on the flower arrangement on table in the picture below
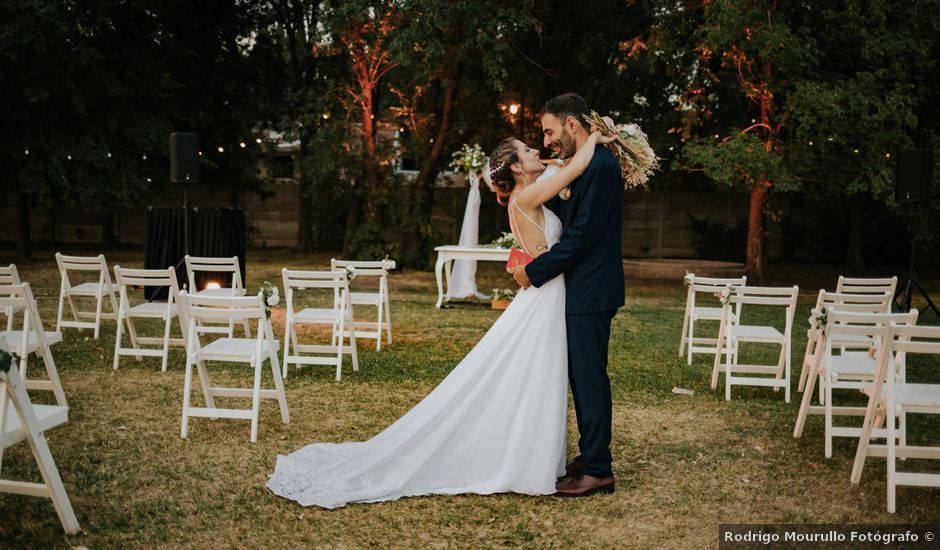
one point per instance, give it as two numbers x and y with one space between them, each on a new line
500 298
270 296
470 159
632 149
506 240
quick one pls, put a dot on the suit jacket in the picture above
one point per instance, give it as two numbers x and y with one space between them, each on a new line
589 252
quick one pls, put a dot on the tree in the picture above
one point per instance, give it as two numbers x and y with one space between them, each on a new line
751 42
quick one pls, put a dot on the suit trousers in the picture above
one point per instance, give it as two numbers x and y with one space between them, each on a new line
588 342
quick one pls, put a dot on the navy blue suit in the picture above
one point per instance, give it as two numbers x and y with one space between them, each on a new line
589 255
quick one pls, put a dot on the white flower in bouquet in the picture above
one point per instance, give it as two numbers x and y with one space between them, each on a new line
270 296
725 295
469 159
820 317
632 149
506 240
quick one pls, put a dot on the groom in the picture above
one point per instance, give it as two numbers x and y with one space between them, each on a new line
589 254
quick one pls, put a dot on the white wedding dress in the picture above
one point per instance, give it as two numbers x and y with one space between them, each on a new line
496 423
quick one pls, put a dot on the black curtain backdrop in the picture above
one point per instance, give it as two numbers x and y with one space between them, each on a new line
213 232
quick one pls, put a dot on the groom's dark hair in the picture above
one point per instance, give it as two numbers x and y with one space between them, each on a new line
566 105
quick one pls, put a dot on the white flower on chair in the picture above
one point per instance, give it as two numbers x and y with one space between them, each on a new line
725 295
270 295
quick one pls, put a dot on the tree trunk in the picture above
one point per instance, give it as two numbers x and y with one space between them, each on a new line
352 224
423 188
24 242
855 256
756 236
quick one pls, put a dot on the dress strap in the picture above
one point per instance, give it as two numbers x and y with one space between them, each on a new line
512 214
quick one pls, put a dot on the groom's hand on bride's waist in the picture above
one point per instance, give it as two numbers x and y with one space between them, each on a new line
521 277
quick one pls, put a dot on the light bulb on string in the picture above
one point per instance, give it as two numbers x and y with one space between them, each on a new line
26 152
68 157
242 145
200 153
109 154
221 149
143 157
258 141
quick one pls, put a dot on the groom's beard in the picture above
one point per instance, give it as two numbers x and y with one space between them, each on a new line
567 146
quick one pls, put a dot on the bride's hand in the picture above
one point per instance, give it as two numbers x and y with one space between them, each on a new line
602 137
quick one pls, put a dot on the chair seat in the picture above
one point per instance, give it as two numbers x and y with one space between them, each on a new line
14 337
88 289
49 416
851 340
853 365
317 315
755 333
917 395
149 309
373 299
233 347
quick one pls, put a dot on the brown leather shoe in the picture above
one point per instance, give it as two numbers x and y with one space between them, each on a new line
585 485
573 468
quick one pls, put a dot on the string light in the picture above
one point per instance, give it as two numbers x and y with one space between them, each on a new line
69 157
258 141
109 154
242 145
716 136
810 142
221 149
200 153
144 157
855 151
887 155
26 152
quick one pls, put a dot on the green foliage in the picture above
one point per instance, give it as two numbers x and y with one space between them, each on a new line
739 161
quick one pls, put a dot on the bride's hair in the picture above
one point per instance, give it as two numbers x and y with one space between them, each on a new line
500 174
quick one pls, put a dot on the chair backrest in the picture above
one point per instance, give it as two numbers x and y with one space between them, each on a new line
147 278
362 268
83 263
859 303
871 325
336 281
9 275
867 285
711 286
222 308
785 296
21 297
903 340
196 264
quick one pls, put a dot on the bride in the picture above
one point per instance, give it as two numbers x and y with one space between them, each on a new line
497 422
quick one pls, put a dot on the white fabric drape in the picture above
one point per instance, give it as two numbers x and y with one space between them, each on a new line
463 277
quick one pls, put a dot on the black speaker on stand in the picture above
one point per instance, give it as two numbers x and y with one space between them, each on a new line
913 179
184 168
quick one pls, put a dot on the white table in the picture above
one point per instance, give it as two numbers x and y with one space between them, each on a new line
447 254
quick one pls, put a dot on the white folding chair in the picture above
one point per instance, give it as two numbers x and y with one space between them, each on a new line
338 318
9 276
153 278
865 302
867 285
732 333
20 420
90 289
707 286
890 398
848 371
253 351
31 338
377 299
236 287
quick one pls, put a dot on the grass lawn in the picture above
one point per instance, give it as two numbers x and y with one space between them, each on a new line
684 464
